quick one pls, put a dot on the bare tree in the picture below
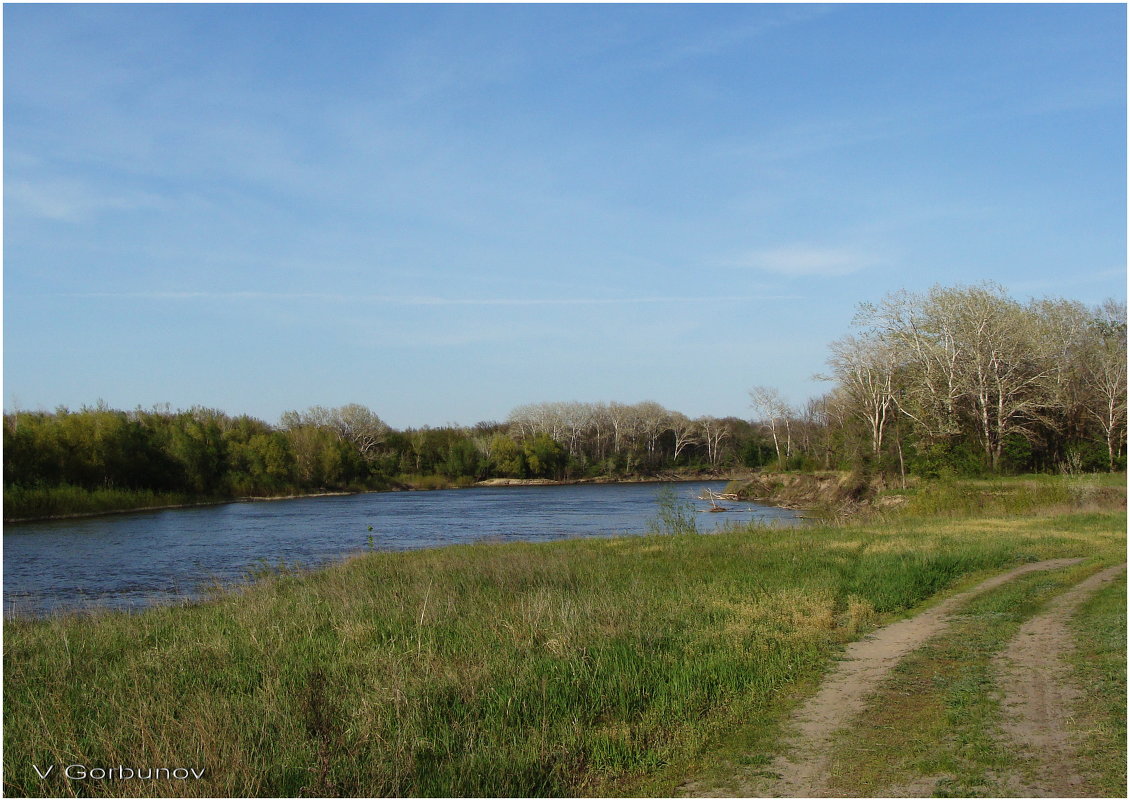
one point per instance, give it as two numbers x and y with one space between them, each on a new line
361 426
601 430
1104 369
686 432
865 369
773 410
925 344
314 417
713 432
353 423
532 419
970 353
653 423
576 422
626 428
1009 367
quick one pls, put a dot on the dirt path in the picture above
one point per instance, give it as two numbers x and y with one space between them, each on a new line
804 771
1039 694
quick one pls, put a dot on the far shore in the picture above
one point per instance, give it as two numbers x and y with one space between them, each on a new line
490 482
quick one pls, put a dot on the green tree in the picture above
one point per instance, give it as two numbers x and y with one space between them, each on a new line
545 457
463 459
197 445
507 457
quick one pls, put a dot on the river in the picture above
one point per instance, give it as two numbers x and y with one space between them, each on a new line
130 561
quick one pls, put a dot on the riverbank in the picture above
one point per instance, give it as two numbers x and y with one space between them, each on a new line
839 495
112 502
158 506
650 478
582 667
835 492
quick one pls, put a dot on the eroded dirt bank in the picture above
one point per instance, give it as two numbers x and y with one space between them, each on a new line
829 490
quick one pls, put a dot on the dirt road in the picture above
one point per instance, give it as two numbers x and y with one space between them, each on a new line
1039 695
803 769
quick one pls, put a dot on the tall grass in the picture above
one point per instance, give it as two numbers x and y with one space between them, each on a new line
40 502
584 667
1014 496
430 481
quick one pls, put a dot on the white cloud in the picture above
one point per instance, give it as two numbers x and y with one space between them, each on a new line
798 261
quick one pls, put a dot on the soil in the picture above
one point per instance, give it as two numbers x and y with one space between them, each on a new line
651 478
804 771
1039 695
844 494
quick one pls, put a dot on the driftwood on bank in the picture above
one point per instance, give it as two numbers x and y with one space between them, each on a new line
714 497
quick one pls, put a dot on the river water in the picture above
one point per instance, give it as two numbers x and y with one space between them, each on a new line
130 561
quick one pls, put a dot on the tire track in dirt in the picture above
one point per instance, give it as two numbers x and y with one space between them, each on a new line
803 769
1039 694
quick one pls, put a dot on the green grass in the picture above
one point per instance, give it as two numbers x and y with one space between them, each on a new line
584 667
1100 667
42 502
937 715
1012 496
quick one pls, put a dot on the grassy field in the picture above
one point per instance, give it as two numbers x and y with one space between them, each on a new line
585 667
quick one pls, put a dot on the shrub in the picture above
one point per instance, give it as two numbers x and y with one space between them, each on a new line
675 516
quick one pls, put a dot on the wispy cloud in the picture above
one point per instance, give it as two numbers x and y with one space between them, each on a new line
800 261
422 300
770 19
72 200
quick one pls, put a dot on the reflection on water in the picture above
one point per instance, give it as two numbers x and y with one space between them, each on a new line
143 558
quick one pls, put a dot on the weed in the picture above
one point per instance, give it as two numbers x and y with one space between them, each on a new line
675 516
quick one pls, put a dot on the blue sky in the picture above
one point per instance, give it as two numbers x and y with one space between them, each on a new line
443 212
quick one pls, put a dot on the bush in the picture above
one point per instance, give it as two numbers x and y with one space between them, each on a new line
756 454
953 459
675 516
1016 455
1088 457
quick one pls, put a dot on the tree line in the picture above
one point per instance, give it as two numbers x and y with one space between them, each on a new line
208 453
964 380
